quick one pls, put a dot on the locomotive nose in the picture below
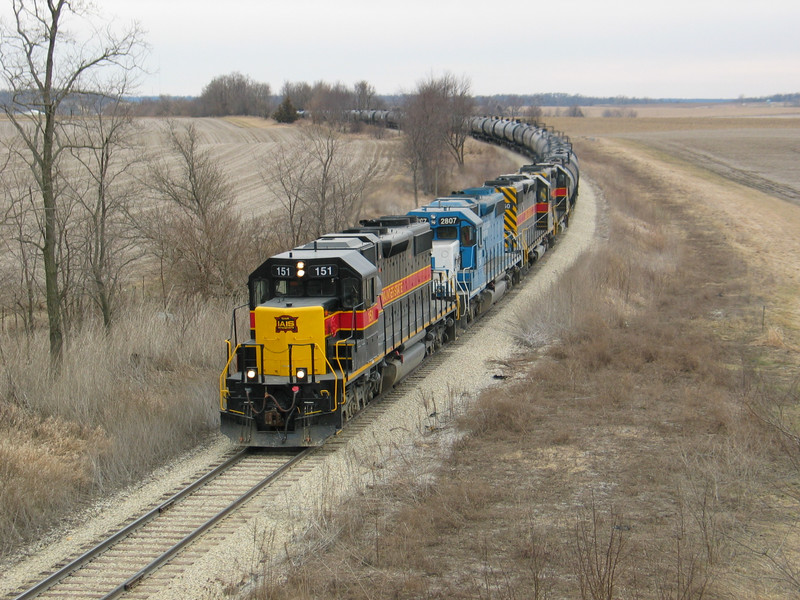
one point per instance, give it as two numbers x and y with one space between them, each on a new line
293 339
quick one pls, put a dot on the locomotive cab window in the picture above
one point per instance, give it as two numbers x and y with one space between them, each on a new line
468 235
351 292
259 293
447 233
298 288
291 288
542 193
369 291
321 287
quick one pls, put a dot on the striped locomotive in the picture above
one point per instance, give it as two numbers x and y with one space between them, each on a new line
336 321
332 323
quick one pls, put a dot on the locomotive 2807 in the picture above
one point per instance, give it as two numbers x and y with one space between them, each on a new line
338 320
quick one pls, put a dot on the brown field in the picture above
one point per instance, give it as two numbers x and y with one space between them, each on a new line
649 449
694 110
745 144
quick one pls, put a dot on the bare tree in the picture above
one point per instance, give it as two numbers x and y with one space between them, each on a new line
329 103
426 127
336 182
21 241
194 229
532 113
99 143
364 94
514 104
44 67
286 178
235 94
320 182
299 92
462 106
434 124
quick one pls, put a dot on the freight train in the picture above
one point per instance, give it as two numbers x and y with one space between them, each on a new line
337 321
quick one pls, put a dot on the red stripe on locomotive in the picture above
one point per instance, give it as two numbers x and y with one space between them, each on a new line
364 318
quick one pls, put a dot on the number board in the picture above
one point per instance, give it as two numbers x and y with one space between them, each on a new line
283 271
448 220
323 271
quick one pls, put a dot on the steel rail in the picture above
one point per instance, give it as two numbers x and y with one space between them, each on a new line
156 563
93 553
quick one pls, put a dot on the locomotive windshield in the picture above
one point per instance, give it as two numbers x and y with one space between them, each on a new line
304 288
447 233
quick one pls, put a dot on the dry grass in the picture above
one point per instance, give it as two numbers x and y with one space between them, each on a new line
636 455
121 405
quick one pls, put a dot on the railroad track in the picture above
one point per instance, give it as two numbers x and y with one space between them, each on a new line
122 563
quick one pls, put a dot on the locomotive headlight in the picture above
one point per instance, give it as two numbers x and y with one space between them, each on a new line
300 268
301 374
250 373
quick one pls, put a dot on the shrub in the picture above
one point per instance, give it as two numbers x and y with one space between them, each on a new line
286 112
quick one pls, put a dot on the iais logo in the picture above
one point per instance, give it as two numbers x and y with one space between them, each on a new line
285 323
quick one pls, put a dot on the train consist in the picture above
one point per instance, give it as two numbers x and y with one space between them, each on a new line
336 321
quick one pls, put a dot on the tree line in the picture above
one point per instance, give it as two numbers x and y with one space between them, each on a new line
238 94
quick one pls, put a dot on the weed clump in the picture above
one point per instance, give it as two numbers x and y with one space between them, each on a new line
123 405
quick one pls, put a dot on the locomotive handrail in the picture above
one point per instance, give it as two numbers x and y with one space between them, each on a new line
234 329
337 345
462 287
454 280
229 354
223 388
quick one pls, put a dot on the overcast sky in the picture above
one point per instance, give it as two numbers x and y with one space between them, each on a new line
642 48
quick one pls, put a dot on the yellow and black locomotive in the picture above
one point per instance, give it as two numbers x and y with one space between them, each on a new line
332 323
